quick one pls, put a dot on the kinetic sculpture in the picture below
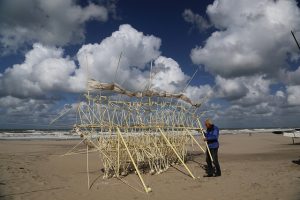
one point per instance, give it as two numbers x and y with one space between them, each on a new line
137 131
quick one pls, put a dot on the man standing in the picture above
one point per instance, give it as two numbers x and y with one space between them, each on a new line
211 137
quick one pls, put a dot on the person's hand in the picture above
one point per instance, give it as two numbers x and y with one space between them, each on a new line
200 130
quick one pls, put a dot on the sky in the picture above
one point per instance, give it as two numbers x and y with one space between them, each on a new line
247 62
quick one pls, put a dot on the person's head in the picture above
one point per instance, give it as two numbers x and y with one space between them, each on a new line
208 123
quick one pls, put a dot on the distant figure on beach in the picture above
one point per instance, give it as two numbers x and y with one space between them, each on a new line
211 137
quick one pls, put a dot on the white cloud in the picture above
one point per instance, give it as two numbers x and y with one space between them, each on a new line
27 89
254 37
293 97
230 89
47 22
245 91
261 108
102 59
260 115
291 77
138 50
9 101
46 70
196 20
43 70
258 91
168 75
280 94
247 54
28 112
199 94
24 108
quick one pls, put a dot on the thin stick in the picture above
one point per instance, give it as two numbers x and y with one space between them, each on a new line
83 151
118 166
117 67
87 165
130 185
133 162
74 147
87 79
150 78
295 40
194 139
60 115
169 143
190 81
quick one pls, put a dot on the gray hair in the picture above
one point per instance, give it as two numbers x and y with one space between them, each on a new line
209 121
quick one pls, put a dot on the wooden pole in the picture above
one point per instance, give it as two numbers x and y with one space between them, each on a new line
74 147
169 143
189 81
201 129
87 165
118 166
147 189
195 140
117 66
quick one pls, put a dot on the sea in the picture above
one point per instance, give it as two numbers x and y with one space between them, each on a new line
65 134
37 134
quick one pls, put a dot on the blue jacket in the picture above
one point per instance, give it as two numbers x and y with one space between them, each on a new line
212 136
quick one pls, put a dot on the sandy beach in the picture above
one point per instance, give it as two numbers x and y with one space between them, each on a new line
253 167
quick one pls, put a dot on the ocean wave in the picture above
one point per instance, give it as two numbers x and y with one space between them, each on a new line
254 130
36 135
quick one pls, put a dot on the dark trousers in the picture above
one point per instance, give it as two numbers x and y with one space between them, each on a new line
214 155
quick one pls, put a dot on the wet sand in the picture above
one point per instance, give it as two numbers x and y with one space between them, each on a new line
253 167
